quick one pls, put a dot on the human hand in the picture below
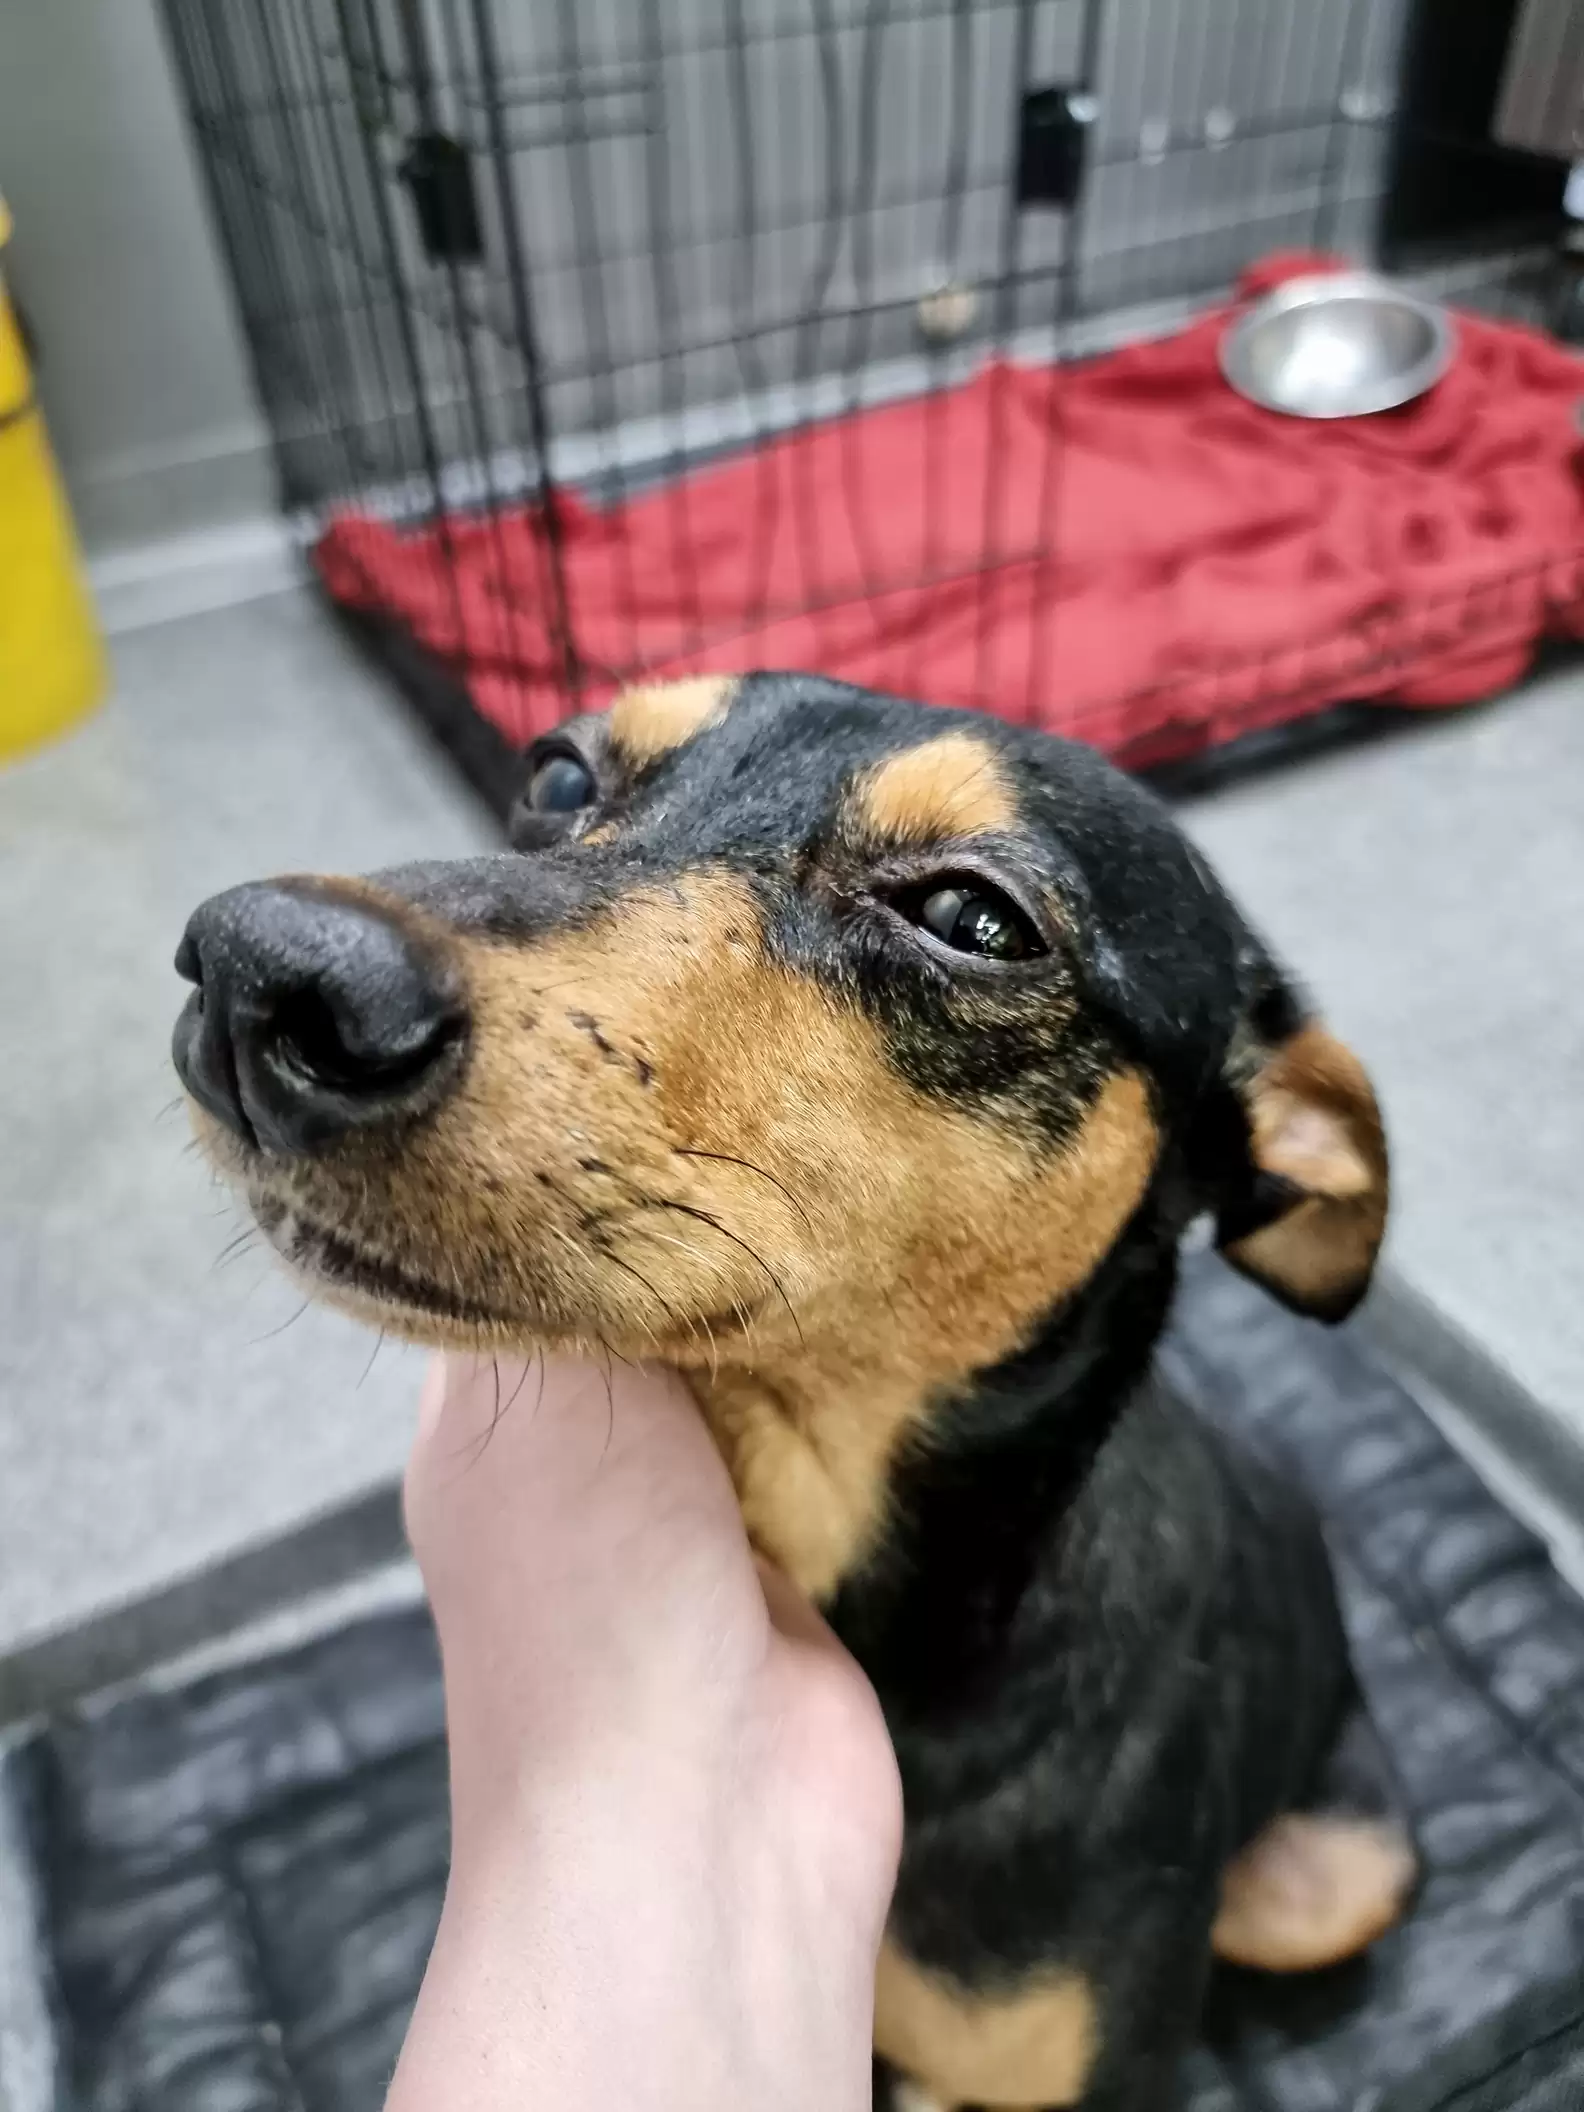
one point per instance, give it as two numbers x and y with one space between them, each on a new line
675 1809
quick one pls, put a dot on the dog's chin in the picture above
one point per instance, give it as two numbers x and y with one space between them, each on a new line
338 1267
340 1272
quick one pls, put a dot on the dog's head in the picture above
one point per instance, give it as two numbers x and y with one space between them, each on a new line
802 1031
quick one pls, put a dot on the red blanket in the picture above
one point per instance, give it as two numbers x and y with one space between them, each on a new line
1123 550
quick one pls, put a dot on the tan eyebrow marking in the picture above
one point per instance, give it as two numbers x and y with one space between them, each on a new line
650 720
954 785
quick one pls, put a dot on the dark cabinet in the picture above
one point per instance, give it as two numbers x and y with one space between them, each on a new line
1452 184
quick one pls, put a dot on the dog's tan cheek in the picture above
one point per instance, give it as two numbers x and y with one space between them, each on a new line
954 1243
549 1131
565 1156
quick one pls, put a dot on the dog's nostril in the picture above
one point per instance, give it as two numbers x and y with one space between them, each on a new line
189 961
336 1048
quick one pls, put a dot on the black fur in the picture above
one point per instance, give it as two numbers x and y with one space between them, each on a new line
1109 1654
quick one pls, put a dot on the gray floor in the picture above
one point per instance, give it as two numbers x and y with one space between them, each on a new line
1431 891
151 1420
153 1423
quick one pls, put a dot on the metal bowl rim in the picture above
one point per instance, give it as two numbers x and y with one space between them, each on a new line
1321 289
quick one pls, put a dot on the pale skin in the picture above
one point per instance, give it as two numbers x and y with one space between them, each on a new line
676 1813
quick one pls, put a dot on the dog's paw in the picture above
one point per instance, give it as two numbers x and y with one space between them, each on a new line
1311 1890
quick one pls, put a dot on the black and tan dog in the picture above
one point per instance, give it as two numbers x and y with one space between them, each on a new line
866 1063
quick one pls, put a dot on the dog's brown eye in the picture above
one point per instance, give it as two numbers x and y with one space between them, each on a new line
561 785
973 919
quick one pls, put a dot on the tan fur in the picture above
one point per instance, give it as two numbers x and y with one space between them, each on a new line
1031 2046
908 2096
648 721
1315 1122
981 1241
874 1247
952 786
1311 1891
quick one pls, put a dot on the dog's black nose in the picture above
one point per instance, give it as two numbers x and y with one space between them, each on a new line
313 1016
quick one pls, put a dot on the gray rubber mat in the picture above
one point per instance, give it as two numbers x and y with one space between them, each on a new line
240 1877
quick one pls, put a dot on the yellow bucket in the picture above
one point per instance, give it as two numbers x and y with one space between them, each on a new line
52 667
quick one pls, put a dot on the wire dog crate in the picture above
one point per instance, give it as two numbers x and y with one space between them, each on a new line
604 338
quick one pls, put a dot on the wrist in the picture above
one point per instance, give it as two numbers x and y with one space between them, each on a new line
643 1949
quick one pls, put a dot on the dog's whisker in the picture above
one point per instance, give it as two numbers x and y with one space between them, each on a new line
495 1413
290 1321
570 982
522 1380
707 1217
237 1244
664 1303
610 1402
481 1446
714 1349
581 1255
745 1319
588 1258
646 1201
683 1246
727 1158
379 1344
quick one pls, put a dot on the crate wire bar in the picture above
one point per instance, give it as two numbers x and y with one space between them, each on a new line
506 266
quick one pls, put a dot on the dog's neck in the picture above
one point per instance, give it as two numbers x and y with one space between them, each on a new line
910 1495
974 1510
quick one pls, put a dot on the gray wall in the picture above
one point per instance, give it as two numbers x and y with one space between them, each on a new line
142 370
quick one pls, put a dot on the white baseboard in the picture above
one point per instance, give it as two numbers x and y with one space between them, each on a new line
185 575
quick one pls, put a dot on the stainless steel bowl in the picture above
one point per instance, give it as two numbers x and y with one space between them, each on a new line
1337 345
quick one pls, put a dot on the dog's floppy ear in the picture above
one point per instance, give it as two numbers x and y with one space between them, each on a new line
1308 1221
